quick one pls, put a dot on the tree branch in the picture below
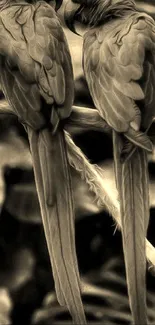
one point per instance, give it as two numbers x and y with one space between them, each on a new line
86 119
89 119
83 118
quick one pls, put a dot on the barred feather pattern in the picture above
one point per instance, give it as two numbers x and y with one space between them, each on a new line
132 183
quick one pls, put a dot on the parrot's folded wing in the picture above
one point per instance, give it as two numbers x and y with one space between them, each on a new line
122 58
37 79
119 65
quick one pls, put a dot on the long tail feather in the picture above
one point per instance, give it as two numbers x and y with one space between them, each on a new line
53 181
132 183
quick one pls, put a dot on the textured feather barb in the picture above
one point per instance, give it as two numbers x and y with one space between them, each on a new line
37 79
53 182
133 188
119 65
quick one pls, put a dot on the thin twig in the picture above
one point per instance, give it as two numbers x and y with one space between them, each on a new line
110 295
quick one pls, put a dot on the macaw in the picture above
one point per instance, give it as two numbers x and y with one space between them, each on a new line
36 78
119 67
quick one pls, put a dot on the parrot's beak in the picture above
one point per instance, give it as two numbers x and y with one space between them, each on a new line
58 4
70 13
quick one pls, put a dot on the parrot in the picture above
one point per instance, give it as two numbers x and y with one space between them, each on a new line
36 77
119 67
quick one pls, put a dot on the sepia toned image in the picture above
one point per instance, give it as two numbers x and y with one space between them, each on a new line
77 162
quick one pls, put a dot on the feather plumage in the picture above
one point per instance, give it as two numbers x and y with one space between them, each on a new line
132 184
119 66
37 79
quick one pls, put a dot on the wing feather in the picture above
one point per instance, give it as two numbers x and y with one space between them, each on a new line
124 47
38 50
35 62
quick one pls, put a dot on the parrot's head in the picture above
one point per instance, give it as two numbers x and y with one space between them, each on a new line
94 12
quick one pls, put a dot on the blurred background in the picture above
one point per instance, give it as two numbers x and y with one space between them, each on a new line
27 293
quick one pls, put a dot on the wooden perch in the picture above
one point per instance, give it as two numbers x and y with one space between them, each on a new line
83 118
89 119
